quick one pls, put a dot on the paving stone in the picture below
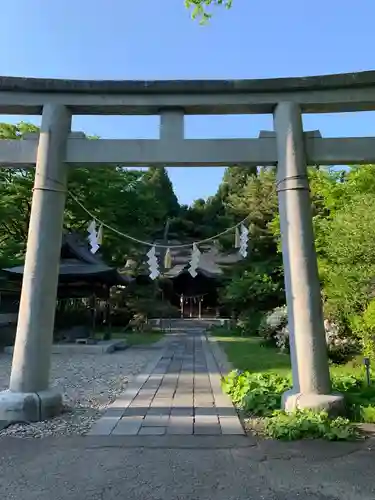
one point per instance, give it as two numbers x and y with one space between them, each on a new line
206 419
155 420
179 394
152 431
170 377
161 402
205 411
181 397
104 426
203 393
201 403
165 394
180 425
231 425
114 412
154 410
207 425
154 378
187 411
146 393
207 430
223 401
140 402
136 411
226 412
185 386
187 376
202 390
168 383
127 426
183 403
160 371
154 387
121 403
216 384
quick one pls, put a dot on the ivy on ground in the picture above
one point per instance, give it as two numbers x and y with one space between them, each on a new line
307 424
258 395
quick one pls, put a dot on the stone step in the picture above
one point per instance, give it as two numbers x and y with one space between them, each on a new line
187 323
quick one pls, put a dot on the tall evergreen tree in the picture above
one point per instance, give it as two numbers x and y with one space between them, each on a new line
160 184
234 180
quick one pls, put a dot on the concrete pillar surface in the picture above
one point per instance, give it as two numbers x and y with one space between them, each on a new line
172 125
29 397
311 378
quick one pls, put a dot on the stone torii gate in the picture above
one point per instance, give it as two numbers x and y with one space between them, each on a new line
29 396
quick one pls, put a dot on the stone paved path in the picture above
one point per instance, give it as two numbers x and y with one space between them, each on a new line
179 393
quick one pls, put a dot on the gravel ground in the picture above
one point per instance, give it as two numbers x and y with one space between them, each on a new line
89 384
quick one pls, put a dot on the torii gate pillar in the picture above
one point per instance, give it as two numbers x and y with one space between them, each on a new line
29 397
311 378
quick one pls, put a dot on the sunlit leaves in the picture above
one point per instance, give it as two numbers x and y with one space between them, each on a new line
201 9
133 202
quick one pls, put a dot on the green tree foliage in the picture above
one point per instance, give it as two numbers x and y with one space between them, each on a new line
15 201
205 218
348 263
133 202
119 198
159 185
256 284
234 181
343 222
200 9
343 210
253 290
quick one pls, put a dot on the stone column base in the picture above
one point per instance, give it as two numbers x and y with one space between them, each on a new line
334 404
29 406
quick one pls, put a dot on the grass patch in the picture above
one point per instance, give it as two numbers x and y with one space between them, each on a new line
147 337
250 353
143 338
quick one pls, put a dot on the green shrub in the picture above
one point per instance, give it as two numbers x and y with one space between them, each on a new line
360 399
257 394
272 323
302 424
248 322
274 329
366 414
346 383
341 347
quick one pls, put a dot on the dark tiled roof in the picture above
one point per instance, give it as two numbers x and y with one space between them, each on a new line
78 262
211 262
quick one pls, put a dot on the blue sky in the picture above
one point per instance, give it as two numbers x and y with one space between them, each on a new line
156 39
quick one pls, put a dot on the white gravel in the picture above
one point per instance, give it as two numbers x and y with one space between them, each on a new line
89 383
